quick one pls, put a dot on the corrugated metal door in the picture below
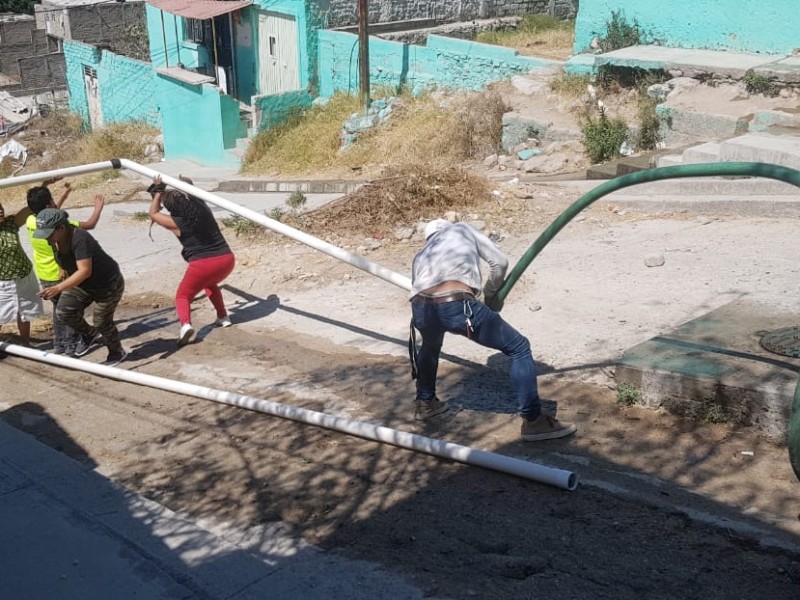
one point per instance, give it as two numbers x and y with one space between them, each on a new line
279 65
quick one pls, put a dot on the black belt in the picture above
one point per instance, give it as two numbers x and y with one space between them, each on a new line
451 297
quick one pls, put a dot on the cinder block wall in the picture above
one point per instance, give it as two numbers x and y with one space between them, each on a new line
43 72
21 43
340 13
16 32
99 23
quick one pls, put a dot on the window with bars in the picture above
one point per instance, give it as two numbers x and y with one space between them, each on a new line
197 30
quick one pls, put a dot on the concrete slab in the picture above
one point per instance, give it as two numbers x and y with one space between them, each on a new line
683 123
786 69
669 160
690 62
714 367
766 120
704 153
755 147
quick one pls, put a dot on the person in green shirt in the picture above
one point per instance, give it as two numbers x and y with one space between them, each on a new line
65 339
19 289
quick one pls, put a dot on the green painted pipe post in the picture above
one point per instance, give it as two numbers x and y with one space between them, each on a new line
749 169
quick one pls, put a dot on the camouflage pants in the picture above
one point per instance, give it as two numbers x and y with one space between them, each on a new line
73 302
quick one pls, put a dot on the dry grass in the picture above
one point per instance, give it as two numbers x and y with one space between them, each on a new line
403 197
305 142
420 131
570 85
58 141
537 35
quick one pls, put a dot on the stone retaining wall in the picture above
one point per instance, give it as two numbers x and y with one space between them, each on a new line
340 13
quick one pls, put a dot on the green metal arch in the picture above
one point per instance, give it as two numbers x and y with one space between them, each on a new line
765 170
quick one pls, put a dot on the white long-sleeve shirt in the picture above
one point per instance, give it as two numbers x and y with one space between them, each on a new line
454 254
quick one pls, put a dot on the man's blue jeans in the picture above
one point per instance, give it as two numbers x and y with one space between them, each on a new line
488 329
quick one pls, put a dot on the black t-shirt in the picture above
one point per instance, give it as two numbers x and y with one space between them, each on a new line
202 238
104 268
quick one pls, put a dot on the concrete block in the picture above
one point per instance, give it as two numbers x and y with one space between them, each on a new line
714 367
764 120
669 160
779 150
707 126
704 153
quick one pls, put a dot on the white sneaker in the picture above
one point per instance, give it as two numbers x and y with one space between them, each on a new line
223 321
187 331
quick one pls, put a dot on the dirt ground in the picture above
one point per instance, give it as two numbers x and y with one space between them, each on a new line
665 508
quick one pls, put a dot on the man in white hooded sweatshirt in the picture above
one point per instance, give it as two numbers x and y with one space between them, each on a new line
446 280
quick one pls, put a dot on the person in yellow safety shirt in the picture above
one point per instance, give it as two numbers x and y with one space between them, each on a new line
65 339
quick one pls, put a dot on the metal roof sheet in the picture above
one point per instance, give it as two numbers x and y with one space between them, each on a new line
199 9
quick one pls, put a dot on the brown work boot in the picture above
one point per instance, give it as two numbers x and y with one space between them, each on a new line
545 427
426 409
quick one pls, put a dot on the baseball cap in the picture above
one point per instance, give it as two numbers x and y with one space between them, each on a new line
47 220
435 226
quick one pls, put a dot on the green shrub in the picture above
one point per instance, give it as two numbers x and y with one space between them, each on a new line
760 84
296 200
628 394
620 33
242 226
602 137
649 134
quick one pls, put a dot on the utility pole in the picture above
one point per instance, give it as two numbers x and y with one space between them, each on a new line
363 54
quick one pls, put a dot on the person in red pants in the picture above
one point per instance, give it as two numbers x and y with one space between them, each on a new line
204 248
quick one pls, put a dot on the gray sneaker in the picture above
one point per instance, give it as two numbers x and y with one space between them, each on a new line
427 409
87 343
114 358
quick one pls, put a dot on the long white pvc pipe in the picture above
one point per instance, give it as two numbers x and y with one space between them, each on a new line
63 172
528 470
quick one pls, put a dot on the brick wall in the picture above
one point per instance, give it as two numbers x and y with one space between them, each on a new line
340 13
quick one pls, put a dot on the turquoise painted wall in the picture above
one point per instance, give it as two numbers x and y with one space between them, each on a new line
246 27
125 84
765 26
275 108
442 62
198 122
167 47
183 106
76 55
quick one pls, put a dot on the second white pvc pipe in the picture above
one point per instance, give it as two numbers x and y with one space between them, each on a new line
521 468
260 218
